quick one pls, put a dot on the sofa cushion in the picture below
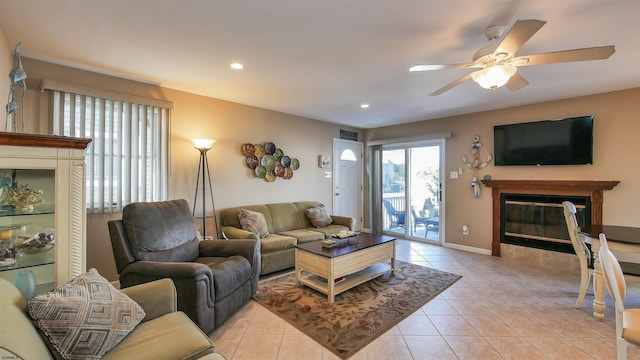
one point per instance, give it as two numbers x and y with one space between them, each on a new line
19 339
319 216
330 230
277 242
253 221
172 336
286 216
303 235
84 318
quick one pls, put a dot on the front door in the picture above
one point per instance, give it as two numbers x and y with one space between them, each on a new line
348 180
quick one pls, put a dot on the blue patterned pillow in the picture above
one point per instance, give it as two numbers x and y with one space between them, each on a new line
84 318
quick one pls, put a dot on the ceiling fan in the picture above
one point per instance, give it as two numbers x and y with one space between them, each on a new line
498 62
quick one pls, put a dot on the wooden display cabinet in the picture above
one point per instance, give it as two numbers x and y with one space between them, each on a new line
55 165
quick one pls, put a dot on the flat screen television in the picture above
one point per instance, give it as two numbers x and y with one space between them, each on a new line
550 142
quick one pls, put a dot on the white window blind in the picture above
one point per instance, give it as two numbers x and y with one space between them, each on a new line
127 161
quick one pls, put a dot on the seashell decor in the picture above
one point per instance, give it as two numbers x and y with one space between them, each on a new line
23 198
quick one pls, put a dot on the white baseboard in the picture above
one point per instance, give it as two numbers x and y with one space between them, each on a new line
468 248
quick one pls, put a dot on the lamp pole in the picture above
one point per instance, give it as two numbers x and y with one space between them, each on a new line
204 145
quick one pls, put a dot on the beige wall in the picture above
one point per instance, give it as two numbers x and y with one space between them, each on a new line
193 116
616 151
616 148
6 64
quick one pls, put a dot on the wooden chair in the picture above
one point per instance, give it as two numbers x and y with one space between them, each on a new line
581 249
627 321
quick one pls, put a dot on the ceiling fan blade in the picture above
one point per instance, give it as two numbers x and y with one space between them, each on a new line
451 85
519 33
516 82
439 67
594 53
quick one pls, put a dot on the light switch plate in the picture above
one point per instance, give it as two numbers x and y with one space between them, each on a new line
453 174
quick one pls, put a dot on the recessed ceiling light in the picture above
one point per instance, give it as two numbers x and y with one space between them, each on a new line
237 66
364 106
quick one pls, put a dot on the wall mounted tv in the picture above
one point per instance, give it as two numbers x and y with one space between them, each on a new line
550 142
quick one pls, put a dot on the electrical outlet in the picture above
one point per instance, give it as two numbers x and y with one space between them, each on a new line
465 230
453 174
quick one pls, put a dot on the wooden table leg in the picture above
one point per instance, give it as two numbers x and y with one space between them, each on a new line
598 282
331 286
297 267
393 259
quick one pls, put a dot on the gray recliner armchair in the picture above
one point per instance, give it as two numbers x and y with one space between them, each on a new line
213 278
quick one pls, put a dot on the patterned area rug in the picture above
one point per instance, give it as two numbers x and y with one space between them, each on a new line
359 315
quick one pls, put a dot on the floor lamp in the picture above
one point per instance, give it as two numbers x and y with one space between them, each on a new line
204 145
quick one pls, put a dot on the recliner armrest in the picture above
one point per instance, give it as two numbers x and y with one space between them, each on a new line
344 221
121 252
248 248
157 298
157 270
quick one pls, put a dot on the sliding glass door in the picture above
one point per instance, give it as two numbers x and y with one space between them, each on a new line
411 191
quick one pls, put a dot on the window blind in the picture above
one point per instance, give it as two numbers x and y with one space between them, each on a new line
127 161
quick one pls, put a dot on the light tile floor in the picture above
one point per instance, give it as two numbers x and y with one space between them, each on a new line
500 309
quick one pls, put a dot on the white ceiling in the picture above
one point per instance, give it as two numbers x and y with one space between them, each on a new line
321 59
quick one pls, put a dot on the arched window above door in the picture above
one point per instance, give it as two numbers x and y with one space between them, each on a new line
348 155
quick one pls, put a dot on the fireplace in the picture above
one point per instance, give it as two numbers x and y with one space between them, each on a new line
537 221
529 212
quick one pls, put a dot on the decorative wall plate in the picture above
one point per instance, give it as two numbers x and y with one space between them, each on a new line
261 171
279 170
295 164
270 177
248 150
252 162
270 148
269 162
278 154
285 161
259 150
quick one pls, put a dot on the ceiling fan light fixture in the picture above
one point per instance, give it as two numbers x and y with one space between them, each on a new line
492 77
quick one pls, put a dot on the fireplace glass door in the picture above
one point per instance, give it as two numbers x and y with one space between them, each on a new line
538 221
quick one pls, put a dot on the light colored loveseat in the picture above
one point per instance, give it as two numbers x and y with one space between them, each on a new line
288 226
163 334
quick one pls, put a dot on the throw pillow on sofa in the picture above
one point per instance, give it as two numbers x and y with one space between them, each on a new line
84 318
318 216
253 221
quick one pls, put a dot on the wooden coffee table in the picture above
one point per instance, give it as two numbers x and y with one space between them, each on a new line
359 259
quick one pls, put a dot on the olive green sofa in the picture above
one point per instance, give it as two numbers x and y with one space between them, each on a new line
288 226
164 333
